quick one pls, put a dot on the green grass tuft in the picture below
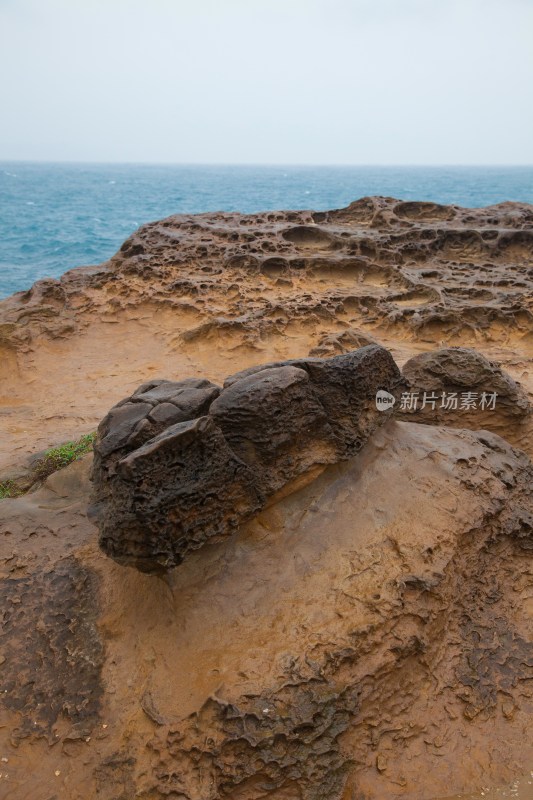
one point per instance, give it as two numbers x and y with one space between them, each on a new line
54 459
9 489
59 457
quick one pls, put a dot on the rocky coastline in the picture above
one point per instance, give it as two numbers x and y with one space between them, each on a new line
280 590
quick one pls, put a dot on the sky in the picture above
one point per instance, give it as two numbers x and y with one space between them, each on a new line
267 81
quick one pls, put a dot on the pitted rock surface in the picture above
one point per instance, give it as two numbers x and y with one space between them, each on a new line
179 464
210 294
419 267
368 632
451 374
367 635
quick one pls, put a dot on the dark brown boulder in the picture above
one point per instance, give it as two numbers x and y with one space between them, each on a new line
274 421
188 481
180 464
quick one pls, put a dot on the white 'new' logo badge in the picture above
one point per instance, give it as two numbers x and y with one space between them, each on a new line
384 400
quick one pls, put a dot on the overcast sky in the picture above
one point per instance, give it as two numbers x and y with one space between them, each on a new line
267 81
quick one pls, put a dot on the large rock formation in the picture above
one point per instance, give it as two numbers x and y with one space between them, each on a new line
209 294
180 464
367 634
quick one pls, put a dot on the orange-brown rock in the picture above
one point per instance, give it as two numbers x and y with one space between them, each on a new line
458 386
206 295
368 633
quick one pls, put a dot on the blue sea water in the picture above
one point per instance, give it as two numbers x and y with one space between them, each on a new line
57 216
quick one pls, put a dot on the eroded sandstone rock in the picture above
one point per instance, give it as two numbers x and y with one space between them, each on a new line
180 464
368 635
223 290
497 402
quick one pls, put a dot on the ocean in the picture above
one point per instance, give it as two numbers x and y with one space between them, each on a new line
57 216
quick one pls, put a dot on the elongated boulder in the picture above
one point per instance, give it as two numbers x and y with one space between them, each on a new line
180 464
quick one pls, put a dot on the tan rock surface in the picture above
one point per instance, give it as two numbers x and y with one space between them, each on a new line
368 635
443 380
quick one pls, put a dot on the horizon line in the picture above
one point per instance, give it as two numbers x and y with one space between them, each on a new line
263 164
